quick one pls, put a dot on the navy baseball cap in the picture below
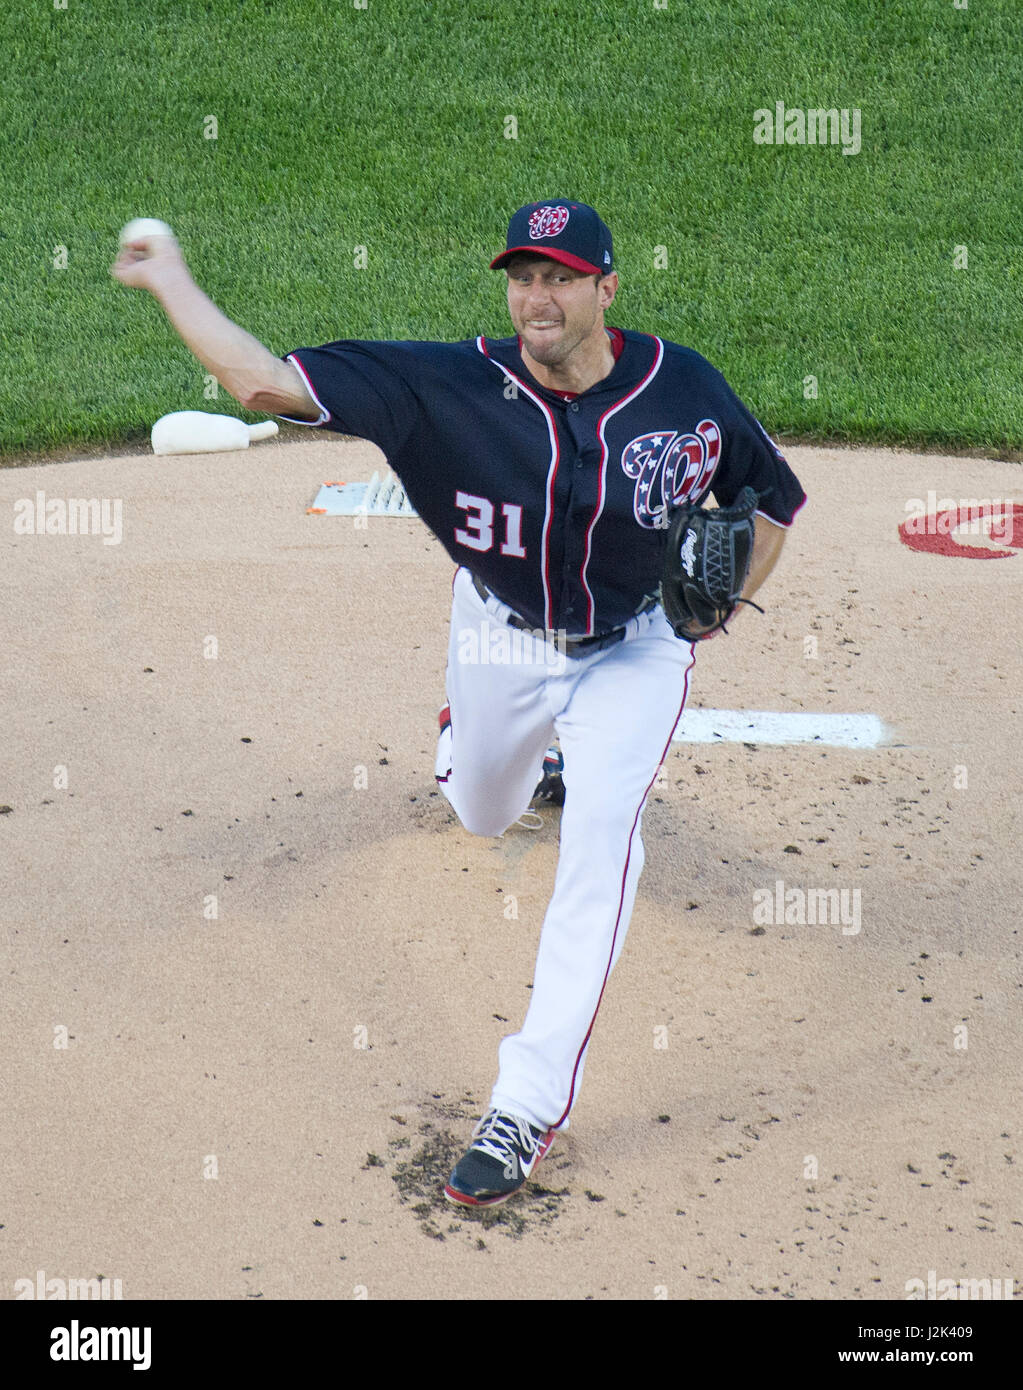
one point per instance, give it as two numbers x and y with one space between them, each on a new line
562 230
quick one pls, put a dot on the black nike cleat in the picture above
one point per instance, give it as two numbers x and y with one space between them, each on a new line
504 1152
551 787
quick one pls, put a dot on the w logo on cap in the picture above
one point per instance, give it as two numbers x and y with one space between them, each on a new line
547 222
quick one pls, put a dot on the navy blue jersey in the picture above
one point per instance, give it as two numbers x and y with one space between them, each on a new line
558 506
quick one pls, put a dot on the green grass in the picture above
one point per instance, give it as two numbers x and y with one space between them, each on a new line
383 127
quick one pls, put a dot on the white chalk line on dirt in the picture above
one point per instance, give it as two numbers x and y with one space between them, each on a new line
766 726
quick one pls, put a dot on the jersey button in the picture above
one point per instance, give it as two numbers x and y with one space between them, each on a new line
574 406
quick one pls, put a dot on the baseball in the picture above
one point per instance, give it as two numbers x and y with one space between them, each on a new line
143 227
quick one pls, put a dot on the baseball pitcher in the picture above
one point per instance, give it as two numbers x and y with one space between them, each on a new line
565 469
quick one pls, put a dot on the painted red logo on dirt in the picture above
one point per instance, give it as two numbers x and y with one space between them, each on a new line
1000 523
670 467
547 222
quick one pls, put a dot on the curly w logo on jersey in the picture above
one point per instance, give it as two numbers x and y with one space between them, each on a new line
547 222
670 468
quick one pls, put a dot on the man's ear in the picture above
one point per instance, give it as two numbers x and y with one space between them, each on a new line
607 288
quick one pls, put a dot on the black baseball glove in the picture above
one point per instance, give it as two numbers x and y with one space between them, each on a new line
706 563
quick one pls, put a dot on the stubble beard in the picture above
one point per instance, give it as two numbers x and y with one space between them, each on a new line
555 353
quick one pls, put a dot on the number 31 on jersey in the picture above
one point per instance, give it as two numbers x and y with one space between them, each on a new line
478 532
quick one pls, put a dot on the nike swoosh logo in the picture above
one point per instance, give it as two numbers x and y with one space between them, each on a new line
541 1149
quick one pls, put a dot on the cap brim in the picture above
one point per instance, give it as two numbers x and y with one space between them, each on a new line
549 254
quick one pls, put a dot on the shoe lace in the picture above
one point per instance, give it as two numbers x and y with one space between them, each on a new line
497 1134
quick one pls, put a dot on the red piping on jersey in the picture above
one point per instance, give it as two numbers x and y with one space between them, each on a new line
552 473
602 486
625 873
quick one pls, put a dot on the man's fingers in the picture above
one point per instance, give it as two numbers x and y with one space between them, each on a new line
130 269
142 261
147 245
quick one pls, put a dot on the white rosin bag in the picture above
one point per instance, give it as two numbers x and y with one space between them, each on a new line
199 432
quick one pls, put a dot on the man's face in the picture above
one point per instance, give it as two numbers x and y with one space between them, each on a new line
554 308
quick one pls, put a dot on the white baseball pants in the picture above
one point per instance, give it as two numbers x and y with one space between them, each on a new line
614 713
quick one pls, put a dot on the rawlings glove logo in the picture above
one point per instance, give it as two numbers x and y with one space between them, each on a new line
687 555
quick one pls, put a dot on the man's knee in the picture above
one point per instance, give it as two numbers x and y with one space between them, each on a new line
486 823
487 820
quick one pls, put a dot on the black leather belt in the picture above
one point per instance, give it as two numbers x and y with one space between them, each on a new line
580 646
